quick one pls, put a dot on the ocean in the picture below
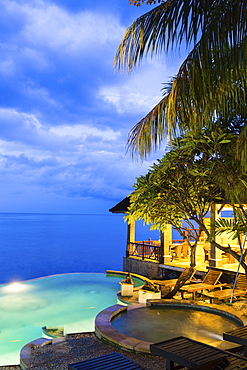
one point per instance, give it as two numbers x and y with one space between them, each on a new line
36 245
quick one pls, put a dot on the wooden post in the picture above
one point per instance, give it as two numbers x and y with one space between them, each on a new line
130 238
215 258
165 241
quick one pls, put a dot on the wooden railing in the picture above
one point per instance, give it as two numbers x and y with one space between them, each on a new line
145 249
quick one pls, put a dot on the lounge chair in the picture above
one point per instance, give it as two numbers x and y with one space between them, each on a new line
209 282
163 284
110 361
240 290
195 355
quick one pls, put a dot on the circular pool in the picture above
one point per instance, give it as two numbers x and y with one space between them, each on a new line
149 324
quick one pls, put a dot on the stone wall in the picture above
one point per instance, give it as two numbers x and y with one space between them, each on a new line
145 268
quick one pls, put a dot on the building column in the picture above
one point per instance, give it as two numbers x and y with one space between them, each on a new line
165 242
215 258
130 238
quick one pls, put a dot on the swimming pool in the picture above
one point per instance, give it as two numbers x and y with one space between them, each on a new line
134 327
68 300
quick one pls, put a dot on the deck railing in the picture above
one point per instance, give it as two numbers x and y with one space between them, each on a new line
144 249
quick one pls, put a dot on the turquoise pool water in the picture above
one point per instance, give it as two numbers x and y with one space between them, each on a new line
68 300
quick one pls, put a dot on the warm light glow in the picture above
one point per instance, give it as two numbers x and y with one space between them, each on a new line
16 287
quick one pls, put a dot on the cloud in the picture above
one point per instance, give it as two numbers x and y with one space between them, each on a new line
27 132
138 92
85 131
64 111
44 25
72 161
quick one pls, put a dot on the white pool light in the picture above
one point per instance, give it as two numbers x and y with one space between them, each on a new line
15 287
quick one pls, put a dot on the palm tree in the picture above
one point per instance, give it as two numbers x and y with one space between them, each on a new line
211 82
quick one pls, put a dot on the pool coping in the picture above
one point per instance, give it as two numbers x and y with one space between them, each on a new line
105 331
25 353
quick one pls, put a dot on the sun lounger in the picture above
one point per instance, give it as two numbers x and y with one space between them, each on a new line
111 361
196 355
210 281
240 290
170 283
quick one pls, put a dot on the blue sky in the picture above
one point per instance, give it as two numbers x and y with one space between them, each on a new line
65 112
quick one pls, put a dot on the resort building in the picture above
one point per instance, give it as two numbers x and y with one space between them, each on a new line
161 258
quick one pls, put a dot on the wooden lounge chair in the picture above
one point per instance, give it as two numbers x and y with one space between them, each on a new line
163 284
224 294
195 355
209 282
111 361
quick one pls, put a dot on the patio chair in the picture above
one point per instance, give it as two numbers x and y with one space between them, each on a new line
110 361
240 290
176 251
209 282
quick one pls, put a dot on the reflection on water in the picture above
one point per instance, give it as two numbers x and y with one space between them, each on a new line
157 324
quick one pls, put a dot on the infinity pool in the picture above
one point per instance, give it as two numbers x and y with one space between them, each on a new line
68 300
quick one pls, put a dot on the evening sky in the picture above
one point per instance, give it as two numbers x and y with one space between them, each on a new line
65 112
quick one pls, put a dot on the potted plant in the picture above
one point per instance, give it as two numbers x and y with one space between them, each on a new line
127 286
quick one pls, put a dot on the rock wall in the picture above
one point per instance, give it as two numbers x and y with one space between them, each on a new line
145 268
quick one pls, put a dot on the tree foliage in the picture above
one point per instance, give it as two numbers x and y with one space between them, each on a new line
180 188
211 82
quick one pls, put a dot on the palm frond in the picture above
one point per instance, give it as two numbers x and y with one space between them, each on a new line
197 96
211 83
169 24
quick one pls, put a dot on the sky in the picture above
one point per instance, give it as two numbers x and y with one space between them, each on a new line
65 111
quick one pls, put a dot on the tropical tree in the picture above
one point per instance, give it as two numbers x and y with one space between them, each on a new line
177 190
211 82
231 178
181 188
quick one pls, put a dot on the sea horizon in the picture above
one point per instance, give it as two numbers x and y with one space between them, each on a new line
35 245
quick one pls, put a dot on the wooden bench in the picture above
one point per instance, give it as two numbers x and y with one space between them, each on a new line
196 355
111 361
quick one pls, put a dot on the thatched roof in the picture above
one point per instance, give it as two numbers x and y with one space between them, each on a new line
121 207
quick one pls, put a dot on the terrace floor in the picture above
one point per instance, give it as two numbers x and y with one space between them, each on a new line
202 265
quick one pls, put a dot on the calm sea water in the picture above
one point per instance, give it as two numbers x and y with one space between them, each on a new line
35 245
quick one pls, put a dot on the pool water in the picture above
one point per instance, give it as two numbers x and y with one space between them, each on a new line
158 324
68 300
